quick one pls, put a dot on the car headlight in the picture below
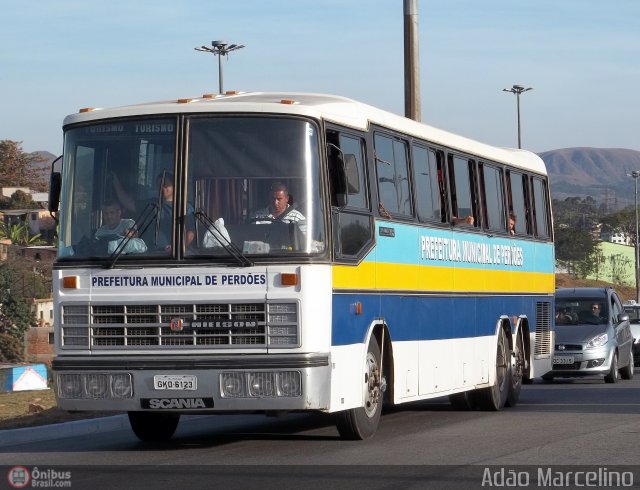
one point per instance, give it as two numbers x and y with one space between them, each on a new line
598 341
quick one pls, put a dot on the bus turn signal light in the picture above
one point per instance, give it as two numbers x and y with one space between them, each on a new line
356 308
288 279
70 282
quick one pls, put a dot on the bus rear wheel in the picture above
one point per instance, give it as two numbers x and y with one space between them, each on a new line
517 371
362 422
153 427
494 398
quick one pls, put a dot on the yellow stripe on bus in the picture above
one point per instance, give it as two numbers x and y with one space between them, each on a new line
407 277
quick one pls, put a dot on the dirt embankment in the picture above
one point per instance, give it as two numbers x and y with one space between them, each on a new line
568 281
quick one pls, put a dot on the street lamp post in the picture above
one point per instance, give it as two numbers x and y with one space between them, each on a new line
220 49
517 90
635 174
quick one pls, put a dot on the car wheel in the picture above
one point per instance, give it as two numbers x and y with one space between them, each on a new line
612 377
627 371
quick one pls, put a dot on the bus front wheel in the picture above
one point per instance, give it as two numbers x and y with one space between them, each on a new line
153 427
362 422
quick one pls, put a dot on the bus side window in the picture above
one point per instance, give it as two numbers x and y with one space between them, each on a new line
430 191
463 193
518 202
347 171
492 188
392 167
540 207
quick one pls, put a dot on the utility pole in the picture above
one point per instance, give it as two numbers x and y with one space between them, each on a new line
220 49
411 61
517 90
635 174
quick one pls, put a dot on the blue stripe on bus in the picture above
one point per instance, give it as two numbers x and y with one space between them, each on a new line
426 317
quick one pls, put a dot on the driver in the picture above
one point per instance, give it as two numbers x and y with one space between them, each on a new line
596 313
280 209
113 224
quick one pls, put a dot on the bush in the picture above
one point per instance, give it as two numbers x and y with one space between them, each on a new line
11 349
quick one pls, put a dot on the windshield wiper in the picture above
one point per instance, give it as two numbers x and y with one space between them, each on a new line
145 219
230 247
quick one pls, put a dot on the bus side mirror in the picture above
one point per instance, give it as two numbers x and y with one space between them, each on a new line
55 185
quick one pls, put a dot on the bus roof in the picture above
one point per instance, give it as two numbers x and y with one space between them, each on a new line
331 108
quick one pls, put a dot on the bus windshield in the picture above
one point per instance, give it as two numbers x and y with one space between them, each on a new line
226 186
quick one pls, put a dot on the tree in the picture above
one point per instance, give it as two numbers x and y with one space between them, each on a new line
21 200
576 249
624 221
15 315
20 169
11 349
18 233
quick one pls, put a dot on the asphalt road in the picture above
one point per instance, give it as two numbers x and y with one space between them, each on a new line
420 445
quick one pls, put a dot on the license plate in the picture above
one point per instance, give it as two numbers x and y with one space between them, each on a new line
175 382
563 360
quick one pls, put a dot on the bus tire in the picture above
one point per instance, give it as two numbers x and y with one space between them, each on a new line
153 427
362 422
494 398
461 401
517 371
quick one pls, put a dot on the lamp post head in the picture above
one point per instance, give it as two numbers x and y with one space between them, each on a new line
517 89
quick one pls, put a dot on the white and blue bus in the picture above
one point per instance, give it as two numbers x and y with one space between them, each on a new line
268 252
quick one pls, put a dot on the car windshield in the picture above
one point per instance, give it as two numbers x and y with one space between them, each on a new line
574 311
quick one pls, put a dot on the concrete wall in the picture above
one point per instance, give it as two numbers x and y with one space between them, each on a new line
617 265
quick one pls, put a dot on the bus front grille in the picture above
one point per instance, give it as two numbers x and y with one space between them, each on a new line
172 326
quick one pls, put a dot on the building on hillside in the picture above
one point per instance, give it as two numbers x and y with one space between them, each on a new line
39 345
43 311
10 191
618 237
4 249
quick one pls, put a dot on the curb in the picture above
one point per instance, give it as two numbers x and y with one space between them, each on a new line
74 428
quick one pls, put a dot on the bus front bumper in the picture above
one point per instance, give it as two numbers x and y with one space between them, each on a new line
193 384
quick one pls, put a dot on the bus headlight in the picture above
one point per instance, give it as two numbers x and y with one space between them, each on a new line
70 386
260 384
94 385
121 385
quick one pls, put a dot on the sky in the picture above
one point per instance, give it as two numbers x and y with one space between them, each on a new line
581 58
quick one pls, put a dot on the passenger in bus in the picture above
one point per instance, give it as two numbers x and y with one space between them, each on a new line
115 229
512 224
164 182
467 220
280 209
